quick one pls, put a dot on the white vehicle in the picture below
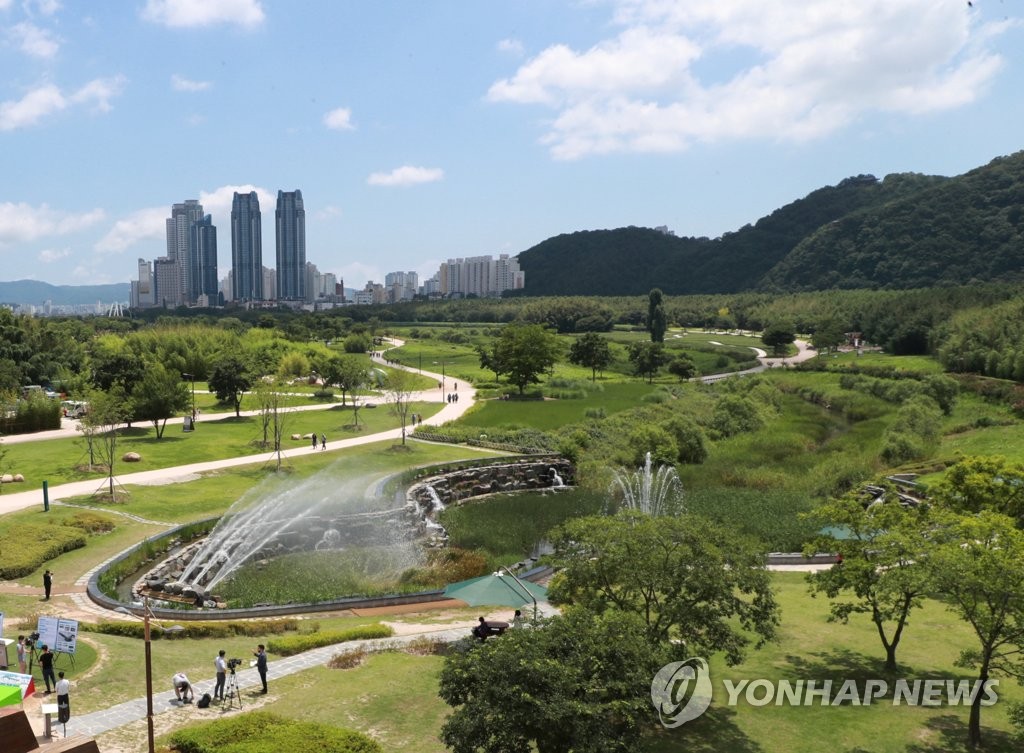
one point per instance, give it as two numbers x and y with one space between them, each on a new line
74 408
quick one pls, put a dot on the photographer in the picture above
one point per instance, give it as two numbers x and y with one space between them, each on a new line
222 674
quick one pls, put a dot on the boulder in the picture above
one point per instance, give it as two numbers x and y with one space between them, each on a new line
131 457
296 436
18 478
6 479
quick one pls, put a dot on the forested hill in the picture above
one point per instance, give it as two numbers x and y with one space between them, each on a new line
905 231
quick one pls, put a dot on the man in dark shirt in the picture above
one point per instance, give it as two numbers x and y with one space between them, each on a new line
46 662
47 583
261 665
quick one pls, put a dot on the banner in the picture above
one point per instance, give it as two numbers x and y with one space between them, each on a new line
59 634
25 682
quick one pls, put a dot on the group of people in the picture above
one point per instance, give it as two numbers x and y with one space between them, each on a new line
453 397
484 629
184 692
323 441
55 683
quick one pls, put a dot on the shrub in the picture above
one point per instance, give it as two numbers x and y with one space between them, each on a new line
689 438
263 732
734 414
357 344
655 440
216 629
26 547
90 522
348 659
324 394
296 644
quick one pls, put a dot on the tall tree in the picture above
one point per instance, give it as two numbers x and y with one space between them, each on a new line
398 388
591 351
657 322
882 570
682 367
777 335
647 358
160 395
230 378
976 566
107 411
571 685
688 579
522 352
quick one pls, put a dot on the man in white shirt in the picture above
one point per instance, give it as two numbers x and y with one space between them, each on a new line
63 699
222 674
182 688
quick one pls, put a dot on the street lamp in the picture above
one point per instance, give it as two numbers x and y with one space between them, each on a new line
146 612
192 377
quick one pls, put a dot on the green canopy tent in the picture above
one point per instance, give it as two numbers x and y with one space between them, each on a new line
10 695
496 590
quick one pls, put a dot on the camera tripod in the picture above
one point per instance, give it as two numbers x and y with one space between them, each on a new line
231 690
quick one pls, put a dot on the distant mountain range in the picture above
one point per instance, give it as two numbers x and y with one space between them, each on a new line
906 231
36 293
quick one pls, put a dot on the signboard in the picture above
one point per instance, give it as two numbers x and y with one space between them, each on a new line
59 634
25 682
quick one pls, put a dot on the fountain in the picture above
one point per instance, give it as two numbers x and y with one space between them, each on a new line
316 514
653 492
556 480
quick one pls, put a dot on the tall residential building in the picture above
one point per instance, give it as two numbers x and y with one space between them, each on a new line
143 294
166 282
480 276
246 248
291 246
203 260
179 235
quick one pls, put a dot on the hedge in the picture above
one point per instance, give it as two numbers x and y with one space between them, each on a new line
196 629
25 547
263 732
296 644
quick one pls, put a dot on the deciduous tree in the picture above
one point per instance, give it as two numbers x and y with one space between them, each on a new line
230 378
591 351
160 395
522 352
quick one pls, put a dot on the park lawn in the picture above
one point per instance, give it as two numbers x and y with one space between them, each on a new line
58 460
393 696
454 361
613 397
875 359
809 647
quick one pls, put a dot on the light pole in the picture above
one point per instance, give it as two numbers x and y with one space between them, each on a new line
192 377
525 590
149 664
442 378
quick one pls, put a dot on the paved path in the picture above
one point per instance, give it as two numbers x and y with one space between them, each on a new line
449 412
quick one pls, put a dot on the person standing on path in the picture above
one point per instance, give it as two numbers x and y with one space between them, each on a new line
47 584
63 700
261 665
46 662
323 442
314 440
22 666
222 674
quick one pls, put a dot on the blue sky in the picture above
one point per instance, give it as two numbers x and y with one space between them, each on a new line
419 131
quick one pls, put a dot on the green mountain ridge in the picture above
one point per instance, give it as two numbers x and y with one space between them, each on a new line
37 293
906 231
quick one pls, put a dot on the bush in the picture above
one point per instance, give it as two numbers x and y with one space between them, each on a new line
27 546
296 644
218 629
90 522
357 344
655 440
324 394
263 732
734 414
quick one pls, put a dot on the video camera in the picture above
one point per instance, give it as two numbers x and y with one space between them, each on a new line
33 637
234 663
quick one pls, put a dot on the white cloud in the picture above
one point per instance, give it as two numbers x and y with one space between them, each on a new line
43 7
51 255
182 84
339 119
768 69
406 175
34 41
49 99
142 225
21 222
187 13
218 202
511 46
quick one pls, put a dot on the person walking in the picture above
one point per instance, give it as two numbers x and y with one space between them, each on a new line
323 442
47 584
261 665
220 663
46 662
314 440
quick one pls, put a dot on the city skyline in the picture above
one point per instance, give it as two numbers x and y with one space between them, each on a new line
436 131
